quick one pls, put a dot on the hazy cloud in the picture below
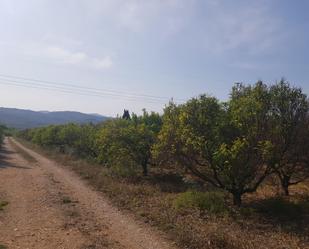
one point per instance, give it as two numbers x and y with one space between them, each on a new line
103 63
137 15
59 55
252 27
65 56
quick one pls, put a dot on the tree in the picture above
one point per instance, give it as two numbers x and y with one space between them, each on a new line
128 142
85 145
69 134
290 134
47 136
221 143
152 120
126 114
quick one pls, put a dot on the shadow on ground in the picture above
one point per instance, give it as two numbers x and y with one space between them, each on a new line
288 214
5 155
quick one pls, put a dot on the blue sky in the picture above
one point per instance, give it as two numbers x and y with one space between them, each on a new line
165 48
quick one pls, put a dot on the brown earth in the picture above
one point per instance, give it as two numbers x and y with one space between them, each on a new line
51 207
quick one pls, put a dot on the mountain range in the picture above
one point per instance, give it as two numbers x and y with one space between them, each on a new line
23 119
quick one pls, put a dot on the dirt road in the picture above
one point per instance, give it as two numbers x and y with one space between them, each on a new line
51 207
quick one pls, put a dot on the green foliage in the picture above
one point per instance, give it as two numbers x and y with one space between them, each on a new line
221 143
5 131
289 133
126 144
123 168
85 144
232 145
153 121
71 138
249 107
213 202
46 136
123 145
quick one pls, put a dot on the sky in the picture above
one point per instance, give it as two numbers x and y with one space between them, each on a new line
101 56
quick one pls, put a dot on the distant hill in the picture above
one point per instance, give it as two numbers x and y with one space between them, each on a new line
23 119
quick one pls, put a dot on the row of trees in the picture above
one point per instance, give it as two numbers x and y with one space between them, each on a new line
2 130
234 145
117 143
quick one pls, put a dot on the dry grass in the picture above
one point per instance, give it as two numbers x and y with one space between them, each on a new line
265 221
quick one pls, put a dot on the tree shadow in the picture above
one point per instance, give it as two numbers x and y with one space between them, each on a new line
290 216
5 160
169 183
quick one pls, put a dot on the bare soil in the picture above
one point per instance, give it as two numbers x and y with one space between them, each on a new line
51 207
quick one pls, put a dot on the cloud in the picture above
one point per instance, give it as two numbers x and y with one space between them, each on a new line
64 56
137 15
244 65
218 26
221 28
103 63
250 27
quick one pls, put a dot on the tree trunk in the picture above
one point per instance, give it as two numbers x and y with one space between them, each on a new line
145 169
286 191
285 183
237 199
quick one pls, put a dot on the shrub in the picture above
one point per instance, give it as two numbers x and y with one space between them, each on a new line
3 204
213 202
